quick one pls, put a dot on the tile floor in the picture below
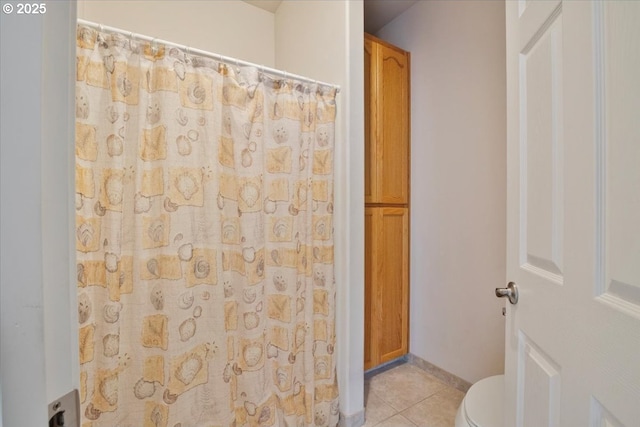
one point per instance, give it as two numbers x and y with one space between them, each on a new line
408 396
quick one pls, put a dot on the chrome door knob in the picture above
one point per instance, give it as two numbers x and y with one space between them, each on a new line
511 292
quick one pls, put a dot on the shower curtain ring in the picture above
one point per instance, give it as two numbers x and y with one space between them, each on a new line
131 40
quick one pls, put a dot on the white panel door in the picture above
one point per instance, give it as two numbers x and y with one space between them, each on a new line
573 339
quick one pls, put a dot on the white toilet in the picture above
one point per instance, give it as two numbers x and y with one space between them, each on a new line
482 405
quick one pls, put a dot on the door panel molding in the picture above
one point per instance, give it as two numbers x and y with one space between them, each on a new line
541 148
618 254
539 380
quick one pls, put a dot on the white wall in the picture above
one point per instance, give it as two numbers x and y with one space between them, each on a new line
227 27
458 181
324 40
38 327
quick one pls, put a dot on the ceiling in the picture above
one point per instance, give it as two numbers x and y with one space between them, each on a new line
268 5
377 13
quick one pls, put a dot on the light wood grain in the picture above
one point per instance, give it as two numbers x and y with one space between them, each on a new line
386 284
387 202
386 123
392 135
391 285
370 353
370 96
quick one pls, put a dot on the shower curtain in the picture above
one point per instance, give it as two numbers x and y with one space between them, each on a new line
204 201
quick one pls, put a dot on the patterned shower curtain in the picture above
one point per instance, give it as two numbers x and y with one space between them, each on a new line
204 201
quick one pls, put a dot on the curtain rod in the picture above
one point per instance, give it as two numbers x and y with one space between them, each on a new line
189 50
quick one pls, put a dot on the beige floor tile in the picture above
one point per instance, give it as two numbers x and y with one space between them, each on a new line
376 410
404 386
438 410
452 394
396 421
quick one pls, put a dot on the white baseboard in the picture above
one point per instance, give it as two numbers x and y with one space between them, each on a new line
353 420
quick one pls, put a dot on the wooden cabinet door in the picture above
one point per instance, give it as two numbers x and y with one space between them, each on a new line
386 284
386 183
391 269
370 353
370 175
388 124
